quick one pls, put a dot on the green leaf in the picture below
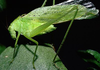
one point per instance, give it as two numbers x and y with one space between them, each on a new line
91 56
2 48
2 4
24 58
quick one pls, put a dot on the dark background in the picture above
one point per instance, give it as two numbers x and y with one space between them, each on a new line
83 34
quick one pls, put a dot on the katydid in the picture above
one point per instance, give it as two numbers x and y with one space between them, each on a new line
41 20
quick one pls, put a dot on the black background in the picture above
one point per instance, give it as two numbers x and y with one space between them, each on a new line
83 35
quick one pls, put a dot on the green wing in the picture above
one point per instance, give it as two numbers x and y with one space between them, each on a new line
45 14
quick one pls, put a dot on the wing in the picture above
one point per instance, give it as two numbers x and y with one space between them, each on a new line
50 13
91 9
86 10
85 3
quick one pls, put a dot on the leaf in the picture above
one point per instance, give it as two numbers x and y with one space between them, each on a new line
91 56
2 4
24 58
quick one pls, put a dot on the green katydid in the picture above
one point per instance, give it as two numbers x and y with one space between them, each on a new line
41 20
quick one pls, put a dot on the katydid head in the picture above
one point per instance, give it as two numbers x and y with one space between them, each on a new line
12 32
12 28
